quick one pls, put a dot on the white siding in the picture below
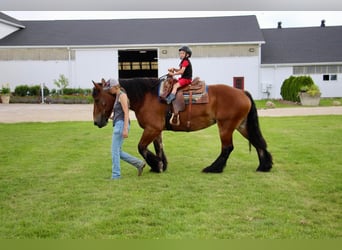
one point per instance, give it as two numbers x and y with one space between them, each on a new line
275 75
32 72
271 80
94 65
329 88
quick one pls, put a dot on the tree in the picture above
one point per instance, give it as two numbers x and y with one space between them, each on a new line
62 82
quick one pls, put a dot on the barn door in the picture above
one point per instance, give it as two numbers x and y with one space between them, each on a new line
138 63
239 82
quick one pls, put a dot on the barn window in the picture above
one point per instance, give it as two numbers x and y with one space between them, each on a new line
145 65
126 65
325 77
333 77
135 65
154 65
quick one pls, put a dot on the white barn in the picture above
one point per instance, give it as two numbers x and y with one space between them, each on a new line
314 51
229 50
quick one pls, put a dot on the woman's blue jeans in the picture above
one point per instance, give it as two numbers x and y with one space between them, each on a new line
117 152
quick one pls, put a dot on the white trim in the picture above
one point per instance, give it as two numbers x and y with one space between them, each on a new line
11 23
126 45
299 64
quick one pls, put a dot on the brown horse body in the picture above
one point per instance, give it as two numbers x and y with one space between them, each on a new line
229 107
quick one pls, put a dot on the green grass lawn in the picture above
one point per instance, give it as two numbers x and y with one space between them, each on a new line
54 184
324 102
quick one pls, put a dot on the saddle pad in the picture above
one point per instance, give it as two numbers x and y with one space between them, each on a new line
197 98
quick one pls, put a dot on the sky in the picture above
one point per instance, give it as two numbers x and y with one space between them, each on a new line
266 19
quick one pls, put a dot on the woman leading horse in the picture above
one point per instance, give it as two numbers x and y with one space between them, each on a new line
230 108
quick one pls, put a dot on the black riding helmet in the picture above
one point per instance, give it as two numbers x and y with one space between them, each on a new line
186 49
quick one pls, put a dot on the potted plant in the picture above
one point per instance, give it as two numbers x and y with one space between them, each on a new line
5 94
310 95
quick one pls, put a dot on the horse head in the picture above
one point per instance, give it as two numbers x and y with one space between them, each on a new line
103 104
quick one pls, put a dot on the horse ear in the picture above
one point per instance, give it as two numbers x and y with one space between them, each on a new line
94 83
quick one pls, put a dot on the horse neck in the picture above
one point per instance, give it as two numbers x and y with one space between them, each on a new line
136 89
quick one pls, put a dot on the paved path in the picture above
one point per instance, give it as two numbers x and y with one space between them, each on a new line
13 113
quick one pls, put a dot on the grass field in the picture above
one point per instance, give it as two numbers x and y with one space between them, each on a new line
324 102
54 184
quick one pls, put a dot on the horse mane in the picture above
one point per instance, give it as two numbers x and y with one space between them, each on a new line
136 88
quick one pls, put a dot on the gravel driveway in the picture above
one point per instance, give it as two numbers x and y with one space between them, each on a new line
13 113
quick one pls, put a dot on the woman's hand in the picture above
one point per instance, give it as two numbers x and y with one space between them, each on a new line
125 133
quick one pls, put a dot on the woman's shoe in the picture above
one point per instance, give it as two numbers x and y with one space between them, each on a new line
141 169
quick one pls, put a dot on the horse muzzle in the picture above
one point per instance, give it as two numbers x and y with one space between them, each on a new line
100 124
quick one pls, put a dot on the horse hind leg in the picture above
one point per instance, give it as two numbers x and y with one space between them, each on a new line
253 134
265 159
250 129
219 164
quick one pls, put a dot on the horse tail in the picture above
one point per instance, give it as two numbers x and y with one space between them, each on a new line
256 139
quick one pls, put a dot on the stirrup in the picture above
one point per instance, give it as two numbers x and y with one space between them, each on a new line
171 120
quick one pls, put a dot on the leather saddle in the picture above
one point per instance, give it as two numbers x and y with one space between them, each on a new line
196 87
194 93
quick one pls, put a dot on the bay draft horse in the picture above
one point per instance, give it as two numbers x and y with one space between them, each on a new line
229 107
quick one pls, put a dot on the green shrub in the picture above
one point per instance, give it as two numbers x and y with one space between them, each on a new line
35 90
5 90
293 85
25 90
22 90
46 91
69 99
76 91
32 94
312 89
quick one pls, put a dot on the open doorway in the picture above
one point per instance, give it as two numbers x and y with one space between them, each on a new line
138 63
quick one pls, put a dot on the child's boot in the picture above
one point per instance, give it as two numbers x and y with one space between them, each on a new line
170 98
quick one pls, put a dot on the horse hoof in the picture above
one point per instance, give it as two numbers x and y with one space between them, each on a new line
263 169
212 170
206 170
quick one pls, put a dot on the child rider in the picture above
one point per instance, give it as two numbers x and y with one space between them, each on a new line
185 72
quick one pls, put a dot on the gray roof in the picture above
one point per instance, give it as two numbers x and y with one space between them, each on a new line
233 29
10 20
302 45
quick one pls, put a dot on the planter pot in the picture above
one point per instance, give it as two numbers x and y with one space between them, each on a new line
309 100
5 99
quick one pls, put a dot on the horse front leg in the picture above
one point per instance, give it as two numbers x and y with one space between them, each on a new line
153 160
159 149
226 136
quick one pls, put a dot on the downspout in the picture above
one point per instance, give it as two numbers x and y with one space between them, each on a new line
69 67
259 73
275 76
